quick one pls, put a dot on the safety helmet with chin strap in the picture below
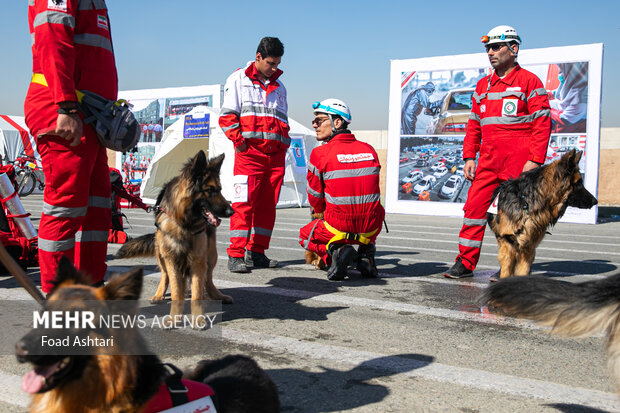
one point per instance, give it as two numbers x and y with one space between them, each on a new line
333 107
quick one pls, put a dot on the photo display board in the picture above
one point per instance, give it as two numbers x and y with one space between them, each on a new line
430 104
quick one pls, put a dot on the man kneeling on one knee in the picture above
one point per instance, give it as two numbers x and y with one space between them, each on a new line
343 183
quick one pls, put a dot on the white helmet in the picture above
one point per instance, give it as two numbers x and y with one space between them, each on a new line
501 34
333 107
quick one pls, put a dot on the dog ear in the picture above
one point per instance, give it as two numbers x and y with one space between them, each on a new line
577 156
127 286
199 163
215 164
67 273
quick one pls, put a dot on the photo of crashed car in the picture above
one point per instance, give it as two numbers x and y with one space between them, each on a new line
451 117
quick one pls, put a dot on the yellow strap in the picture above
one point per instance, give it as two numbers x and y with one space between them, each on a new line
39 78
339 235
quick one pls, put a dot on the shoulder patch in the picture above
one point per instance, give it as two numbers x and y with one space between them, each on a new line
60 5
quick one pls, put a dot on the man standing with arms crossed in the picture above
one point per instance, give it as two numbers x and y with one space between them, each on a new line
509 127
71 49
254 117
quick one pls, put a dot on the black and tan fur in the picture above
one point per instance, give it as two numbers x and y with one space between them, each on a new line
529 205
572 309
113 380
187 214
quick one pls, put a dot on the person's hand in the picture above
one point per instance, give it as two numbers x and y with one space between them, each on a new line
241 148
69 127
469 169
529 165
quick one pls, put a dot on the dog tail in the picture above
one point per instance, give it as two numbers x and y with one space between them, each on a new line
143 246
571 309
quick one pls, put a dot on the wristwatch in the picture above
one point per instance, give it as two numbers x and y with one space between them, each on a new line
68 111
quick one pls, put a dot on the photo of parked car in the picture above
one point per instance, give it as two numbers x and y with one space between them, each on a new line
453 114
440 172
449 189
425 184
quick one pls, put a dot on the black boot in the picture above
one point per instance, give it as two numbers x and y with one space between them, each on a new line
366 261
458 270
342 257
258 260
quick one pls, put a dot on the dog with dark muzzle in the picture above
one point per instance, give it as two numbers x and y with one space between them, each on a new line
528 205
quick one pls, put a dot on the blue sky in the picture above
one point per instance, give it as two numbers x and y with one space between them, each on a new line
332 49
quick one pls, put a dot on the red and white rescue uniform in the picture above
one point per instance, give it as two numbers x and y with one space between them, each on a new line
343 183
255 113
509 125
72 49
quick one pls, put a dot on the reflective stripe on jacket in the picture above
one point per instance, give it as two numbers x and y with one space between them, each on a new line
343 182
515 107
254 112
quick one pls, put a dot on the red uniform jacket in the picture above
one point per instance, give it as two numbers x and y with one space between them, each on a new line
72 48
343 182
509 123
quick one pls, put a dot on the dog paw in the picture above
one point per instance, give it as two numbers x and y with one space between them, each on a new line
156 299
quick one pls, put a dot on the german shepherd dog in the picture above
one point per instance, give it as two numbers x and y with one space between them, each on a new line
188 211
106 380
530 204
309 256
572 309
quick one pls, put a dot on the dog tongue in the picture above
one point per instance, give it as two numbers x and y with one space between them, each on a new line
213 220
33 381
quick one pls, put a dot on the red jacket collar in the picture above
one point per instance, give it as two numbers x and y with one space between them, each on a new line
508 79
343 137
252 73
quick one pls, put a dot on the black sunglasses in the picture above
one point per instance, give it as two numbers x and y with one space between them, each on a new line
496 47
319 121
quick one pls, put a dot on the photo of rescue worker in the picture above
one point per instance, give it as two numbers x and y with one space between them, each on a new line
417 100
343 184
569 102
254 117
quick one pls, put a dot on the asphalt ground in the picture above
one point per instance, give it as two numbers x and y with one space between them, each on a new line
409 341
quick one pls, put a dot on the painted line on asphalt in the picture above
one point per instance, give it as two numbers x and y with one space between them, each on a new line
466 377
295 222
480 317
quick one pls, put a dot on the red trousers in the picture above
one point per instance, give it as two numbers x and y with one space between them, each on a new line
76 206
252 223
499 160
475 219
314 237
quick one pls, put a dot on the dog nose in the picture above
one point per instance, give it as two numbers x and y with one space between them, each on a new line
21 349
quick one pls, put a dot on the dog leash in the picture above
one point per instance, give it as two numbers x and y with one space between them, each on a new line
20 275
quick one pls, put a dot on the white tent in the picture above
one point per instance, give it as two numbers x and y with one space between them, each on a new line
15 139
175 150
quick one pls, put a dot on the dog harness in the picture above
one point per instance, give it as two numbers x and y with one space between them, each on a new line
177 395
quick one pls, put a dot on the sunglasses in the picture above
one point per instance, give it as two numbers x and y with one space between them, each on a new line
496 47
319 121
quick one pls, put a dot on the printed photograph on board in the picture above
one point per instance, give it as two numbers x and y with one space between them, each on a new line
435 108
